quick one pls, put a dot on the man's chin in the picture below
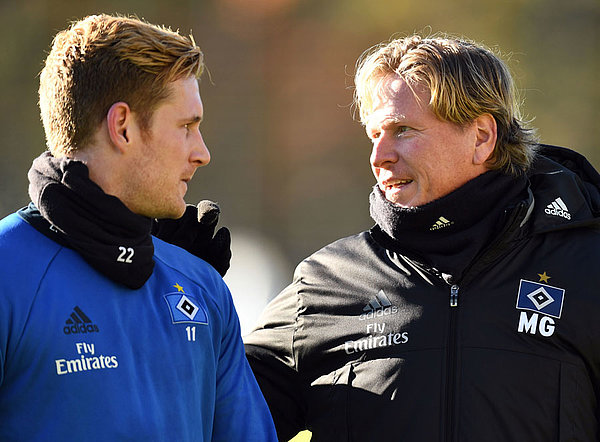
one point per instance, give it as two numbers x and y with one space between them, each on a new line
399 200
174 212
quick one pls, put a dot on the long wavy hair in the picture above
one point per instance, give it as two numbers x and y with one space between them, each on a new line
465 80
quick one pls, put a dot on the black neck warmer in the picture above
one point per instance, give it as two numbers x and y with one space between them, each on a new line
448 233
75 212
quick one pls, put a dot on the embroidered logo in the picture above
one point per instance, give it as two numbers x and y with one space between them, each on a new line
86 358
79 322
441 223
379 300
185 308
558 208
378 332
545 301
541 298
379 306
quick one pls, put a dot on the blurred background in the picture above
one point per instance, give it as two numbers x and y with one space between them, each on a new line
289 160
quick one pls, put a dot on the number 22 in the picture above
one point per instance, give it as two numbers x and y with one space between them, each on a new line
127 259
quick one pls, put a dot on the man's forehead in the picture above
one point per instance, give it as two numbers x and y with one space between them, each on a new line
394 98
393 87
385 116
184 93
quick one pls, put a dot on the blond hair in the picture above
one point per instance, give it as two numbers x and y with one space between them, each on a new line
465 80
101 60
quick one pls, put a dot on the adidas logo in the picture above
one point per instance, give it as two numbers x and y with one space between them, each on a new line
380 300
379 305
441 223
558 208
78 322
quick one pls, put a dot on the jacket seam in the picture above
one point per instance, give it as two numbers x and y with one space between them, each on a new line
37 291
562 361
296 327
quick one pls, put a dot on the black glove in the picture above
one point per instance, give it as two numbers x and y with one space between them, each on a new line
194 232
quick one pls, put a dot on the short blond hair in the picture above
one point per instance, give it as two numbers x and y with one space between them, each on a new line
104 59
465 80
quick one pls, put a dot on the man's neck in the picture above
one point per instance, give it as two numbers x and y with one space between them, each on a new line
103 166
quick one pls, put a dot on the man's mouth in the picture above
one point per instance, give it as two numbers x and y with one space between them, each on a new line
185 181
389 185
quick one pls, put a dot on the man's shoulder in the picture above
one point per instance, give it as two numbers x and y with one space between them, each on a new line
18 239
356 243
11 227
182 261
25 254
198 279
339 254
585 237
566 189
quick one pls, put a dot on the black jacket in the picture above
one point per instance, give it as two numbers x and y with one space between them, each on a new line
368 344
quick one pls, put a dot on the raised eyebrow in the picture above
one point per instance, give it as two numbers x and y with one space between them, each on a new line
393 121
387 123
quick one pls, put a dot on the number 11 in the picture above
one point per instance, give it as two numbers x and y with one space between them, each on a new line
191 333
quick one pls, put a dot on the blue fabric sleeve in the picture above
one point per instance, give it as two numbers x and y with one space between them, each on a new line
240 404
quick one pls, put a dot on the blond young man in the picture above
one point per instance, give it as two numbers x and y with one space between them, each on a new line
469 311
106 332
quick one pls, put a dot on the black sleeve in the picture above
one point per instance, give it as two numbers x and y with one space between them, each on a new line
272 356
279 385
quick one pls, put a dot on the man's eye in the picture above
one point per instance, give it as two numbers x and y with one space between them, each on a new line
402 129
189 127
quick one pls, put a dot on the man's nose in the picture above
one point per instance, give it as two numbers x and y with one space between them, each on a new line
384 151
200 154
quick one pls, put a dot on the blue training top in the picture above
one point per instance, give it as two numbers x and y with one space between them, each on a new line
82 357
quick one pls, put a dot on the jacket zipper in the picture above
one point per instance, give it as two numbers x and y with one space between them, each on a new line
452 363
454 296
515 223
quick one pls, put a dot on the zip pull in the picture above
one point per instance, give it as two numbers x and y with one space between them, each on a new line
454 296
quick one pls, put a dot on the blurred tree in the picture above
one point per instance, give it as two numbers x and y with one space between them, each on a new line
289 161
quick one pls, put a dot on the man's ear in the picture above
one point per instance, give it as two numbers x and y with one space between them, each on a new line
119 120
486 136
